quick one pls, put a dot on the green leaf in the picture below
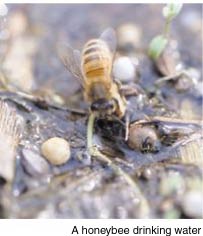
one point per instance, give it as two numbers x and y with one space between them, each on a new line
156 47
171 10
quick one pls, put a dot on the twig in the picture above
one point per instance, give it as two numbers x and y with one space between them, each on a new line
171 77
90 127
167 28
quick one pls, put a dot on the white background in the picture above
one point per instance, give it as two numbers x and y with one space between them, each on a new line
55 227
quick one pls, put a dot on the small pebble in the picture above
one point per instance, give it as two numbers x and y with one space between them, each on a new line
84 157
58 99
129 36
183 84
192 204
56 150
124 69
139 137
147 173
189 80
34 164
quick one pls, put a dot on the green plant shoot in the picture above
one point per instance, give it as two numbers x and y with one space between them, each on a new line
159 42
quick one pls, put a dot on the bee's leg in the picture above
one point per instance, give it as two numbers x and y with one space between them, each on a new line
117 119
118 82
131 90
128 89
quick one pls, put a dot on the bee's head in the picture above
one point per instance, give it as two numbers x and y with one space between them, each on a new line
104 106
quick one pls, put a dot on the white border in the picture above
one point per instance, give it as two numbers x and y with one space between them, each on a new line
63 227
99 1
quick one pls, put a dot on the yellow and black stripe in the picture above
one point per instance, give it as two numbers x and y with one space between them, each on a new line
96 60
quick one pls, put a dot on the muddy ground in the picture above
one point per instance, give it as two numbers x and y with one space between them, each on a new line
166 183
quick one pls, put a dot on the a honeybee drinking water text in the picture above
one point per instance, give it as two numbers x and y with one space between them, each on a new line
93 68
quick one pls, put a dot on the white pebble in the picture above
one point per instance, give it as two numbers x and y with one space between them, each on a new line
34 164
56 150
129 34
192 204
124 69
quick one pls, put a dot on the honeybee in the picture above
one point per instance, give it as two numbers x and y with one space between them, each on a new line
93 68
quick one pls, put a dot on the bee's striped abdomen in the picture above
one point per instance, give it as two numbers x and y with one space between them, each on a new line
96 60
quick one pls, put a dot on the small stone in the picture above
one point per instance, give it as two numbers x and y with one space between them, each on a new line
147 173
34 164
188 80
192 204
56 150
58 99
183 84
124 69
84 157
143 138
129 36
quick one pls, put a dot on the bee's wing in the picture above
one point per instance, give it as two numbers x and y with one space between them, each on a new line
109 36
71 59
